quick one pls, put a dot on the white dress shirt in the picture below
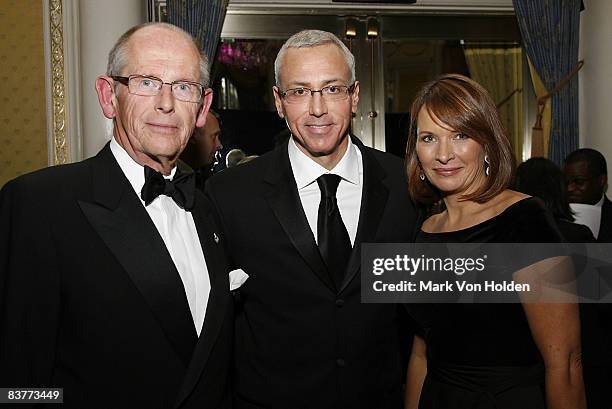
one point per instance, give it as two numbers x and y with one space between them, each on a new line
589 215
350 169
177 228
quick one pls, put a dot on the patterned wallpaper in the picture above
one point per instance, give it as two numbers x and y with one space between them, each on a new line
23 128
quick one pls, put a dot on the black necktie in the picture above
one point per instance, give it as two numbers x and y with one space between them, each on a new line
334 241
181 188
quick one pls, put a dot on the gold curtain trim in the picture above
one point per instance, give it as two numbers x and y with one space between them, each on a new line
564 81
539 143
507 98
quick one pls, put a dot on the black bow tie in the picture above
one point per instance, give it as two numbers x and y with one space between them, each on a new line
181 189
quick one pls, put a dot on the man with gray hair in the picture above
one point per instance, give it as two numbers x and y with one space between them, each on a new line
294 220
113 283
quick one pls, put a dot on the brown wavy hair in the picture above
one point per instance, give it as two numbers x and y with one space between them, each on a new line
462 105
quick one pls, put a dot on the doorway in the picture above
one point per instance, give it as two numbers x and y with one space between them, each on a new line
395 54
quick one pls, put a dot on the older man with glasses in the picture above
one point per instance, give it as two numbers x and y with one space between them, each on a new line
113 281
294 221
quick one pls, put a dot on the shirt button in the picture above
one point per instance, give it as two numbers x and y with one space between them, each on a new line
340 362
339 302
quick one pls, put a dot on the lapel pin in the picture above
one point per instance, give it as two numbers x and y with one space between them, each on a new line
216 238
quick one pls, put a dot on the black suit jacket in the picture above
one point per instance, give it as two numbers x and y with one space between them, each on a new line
299 342
596 332
91 301
605 225
603 356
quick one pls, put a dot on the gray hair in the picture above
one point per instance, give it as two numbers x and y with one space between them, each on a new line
118 58
313 38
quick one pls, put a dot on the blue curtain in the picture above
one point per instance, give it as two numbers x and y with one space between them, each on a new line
203 19
551 33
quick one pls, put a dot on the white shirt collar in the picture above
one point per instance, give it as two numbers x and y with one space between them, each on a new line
601 201
132 170
306 170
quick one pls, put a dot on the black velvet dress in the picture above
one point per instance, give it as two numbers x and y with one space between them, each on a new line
483 355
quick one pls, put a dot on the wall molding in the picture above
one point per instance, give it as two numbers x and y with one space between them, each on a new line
61 78
327 6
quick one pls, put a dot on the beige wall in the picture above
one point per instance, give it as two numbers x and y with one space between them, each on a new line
100 27
23 128
595 80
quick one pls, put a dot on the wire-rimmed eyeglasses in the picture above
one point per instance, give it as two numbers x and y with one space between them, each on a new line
148 86
328 93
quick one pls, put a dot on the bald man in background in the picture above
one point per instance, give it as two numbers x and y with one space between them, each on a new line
201 150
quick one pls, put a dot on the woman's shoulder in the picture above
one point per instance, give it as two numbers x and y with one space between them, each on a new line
520 204
514 212
574 232
509 200
529 220
483 213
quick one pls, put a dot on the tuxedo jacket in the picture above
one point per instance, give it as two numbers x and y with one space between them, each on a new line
299 341
90 299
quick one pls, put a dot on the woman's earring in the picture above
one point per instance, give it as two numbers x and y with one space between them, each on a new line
422 176
487 165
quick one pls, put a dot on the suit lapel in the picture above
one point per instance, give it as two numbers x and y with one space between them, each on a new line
218 298
121 221
605 225
282 196
373 201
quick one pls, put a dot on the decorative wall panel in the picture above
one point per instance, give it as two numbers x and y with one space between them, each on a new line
23 127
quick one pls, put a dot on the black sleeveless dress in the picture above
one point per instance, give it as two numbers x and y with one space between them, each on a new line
482 356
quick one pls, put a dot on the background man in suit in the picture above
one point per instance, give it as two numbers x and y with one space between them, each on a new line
294 220
586 174
201 150
116 294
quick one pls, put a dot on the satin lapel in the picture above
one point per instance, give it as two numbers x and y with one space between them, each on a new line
373 201
282 196
218 298
119 218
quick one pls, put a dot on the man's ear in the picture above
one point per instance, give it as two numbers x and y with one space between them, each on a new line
603 182
355 98
203 111
278 102
106 96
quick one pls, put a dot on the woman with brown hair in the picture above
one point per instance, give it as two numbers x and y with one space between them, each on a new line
510 356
